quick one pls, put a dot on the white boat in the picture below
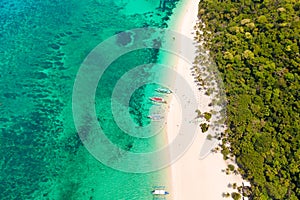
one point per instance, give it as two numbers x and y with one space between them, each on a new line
155 117
159 192
163 90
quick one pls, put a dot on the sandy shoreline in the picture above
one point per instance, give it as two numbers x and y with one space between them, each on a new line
192 178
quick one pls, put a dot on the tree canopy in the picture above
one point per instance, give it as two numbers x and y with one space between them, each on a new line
255 45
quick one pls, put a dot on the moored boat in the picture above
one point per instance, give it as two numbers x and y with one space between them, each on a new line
163 90
157 99
159 192
155 117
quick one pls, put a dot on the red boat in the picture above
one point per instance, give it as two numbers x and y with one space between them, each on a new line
158 99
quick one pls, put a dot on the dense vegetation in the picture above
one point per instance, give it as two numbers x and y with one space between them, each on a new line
255 45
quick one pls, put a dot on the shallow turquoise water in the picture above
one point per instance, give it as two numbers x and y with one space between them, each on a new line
42 44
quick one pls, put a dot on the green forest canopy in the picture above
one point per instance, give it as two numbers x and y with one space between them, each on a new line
255 45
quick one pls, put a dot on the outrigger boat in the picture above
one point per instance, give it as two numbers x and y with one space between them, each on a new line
157 99
159 192
155 117
163 90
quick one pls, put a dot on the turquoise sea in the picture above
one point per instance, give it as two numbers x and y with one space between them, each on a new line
42 45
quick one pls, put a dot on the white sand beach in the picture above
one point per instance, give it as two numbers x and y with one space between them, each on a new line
192 178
